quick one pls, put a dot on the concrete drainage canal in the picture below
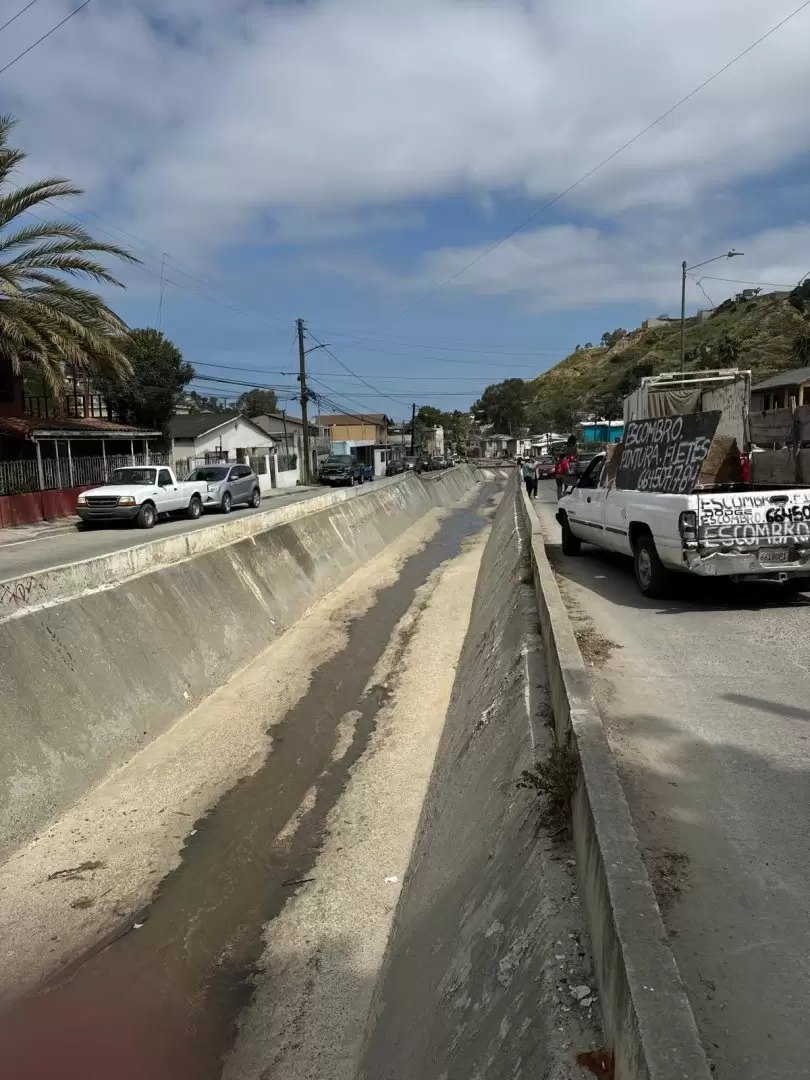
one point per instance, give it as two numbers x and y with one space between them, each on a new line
333 865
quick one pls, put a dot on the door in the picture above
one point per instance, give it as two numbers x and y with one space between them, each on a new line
588 504
240 483
168 498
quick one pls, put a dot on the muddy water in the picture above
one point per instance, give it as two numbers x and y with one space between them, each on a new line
162 1000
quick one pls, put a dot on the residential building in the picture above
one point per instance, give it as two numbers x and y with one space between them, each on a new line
368 428
282 425
49 452
776 392
223 436
607 431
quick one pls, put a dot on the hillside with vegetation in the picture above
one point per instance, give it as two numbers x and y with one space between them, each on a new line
766 334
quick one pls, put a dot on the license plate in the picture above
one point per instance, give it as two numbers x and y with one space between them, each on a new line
770 558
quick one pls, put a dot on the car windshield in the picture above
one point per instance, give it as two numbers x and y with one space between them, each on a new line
546 460
133 476
339 459
209 473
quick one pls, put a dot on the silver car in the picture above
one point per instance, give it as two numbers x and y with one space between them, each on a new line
228 485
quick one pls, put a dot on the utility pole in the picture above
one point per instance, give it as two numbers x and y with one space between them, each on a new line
684 270
683 315
302 366
413 426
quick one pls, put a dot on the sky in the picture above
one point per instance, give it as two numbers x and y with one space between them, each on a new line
353 162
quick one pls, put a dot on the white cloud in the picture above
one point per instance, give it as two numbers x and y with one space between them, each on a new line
564 267
197 119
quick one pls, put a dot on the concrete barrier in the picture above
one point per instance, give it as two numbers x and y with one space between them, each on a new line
61 582
86 681
649 1025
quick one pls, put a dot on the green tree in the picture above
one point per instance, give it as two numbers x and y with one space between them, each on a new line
149 395
430 416
801 347
198 403
46 319
610 337
257 402
503 405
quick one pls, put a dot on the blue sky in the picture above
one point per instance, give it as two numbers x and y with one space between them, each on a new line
339 159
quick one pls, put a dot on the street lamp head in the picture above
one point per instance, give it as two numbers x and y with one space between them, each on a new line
732 253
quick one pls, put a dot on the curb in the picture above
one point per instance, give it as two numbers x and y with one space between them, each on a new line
649 1024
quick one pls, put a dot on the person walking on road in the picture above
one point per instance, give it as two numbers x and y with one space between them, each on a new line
529 477
561 474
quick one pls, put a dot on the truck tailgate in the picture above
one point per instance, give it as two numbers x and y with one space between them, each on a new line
754 519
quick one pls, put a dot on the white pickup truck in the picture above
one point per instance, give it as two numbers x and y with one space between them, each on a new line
140 494
736 531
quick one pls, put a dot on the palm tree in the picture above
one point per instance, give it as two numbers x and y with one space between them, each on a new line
48 321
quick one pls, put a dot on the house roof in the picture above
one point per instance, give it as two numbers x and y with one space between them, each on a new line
294 421
786 378
192 425
65 427
347 419
195 425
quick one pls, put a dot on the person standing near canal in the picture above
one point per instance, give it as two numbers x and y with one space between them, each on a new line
561 471
529 477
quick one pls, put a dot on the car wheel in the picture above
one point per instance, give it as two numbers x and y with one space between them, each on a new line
352 480
362 479
226 503
147 516
571 545
255 498
652 577
194 508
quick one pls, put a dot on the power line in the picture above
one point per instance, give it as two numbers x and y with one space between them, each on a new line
742 281
359 378
22 11
341 375
605 161
52 30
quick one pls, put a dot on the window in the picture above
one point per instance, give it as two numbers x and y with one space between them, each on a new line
164 478
239 472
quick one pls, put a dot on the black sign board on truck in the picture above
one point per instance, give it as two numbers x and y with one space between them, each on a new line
666 454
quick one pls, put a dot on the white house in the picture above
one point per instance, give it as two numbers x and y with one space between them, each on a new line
223 436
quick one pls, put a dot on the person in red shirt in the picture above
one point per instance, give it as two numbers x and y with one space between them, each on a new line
561 472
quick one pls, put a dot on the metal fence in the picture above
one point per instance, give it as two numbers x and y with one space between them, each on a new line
21 477
287 462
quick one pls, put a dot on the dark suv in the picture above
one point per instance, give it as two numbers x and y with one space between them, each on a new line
341 469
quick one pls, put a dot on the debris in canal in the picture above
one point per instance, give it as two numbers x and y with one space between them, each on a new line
74 873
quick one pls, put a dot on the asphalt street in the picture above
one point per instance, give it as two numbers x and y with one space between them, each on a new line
31 548
705 700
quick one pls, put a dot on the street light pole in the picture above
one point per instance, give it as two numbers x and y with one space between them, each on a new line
684 270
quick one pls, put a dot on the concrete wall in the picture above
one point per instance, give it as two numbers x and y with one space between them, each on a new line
472 964
86 681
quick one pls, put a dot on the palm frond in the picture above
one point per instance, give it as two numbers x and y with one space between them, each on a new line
46 319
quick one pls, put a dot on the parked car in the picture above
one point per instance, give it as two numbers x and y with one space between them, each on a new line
581 464
227 485
545 467
342 469
409 464
141 495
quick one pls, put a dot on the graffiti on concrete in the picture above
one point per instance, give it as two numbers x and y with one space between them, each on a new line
15 593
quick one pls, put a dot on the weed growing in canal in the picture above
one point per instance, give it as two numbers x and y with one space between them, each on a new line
554 782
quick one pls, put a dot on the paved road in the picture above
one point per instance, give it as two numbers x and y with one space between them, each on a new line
26 550
706 702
